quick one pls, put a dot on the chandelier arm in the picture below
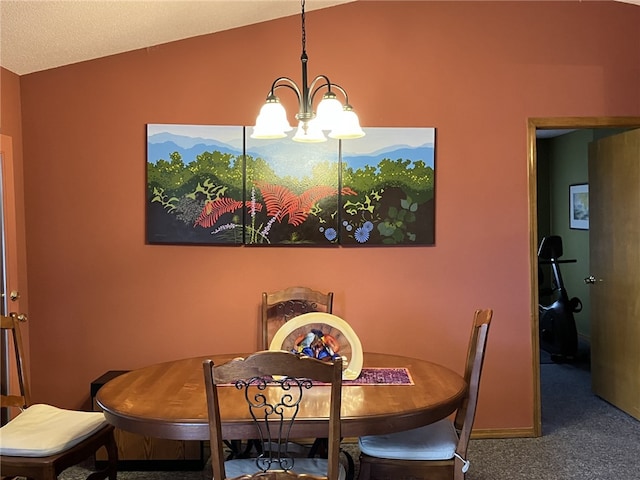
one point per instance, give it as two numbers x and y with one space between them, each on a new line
285 82
313 89
305 112
329 86
344 92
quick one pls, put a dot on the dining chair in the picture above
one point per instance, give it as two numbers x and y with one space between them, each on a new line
437 451
278 307
42 440
281 306
275 385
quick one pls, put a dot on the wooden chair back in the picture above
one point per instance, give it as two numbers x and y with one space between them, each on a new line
270 379
283 305
466 414
374 468
10 326
474 362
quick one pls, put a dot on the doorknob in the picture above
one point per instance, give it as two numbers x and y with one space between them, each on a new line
591 280
14 295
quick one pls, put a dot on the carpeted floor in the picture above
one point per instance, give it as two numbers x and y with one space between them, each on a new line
584 438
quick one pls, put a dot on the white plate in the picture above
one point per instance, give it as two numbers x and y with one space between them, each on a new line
348 343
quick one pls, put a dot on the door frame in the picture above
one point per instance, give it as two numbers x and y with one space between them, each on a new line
550 123
9 264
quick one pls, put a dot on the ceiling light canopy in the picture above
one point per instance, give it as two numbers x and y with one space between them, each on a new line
340 120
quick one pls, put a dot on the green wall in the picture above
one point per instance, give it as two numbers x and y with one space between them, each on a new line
563 161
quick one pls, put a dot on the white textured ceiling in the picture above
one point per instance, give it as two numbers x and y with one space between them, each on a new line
38 35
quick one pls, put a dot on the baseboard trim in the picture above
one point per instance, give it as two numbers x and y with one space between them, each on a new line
504 433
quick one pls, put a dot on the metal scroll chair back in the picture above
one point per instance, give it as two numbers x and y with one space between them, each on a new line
274 386
281 306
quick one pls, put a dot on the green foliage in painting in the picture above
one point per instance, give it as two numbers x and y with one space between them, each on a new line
412 177
388 201
208 193
395 228
196 194
212 167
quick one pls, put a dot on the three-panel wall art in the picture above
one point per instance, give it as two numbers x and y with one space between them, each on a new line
214 185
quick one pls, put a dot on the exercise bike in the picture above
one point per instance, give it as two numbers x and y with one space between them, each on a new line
558 334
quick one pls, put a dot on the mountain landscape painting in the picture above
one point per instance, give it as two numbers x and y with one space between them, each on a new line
391 174
195 184
215 185
292 192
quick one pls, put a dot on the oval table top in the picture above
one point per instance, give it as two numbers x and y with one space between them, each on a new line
167 400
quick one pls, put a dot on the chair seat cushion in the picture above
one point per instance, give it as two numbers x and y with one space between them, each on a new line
310 466
43 430
437 441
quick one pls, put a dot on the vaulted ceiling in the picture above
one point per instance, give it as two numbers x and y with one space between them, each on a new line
44 34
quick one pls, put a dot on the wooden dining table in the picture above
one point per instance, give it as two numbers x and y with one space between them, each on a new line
167 400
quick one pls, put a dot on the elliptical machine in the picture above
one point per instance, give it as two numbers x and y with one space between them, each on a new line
558 334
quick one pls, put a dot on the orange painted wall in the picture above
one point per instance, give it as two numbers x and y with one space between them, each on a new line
101 299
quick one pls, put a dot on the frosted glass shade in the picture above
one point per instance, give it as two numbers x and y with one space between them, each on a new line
329 112
312 133
348 127
271 122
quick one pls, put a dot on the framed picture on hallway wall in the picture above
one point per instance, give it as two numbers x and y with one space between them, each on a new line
579 206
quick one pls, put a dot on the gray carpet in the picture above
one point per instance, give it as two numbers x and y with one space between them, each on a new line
584 438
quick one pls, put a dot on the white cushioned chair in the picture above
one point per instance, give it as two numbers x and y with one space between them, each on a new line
437 451
42 440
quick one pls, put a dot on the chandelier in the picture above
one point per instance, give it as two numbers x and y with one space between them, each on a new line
340 120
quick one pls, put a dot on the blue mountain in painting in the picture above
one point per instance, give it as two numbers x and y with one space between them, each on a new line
161 145
424 153
292 149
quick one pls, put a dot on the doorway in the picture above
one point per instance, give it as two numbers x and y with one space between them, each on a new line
535 125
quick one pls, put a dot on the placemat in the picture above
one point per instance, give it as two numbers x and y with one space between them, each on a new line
382 376
374 376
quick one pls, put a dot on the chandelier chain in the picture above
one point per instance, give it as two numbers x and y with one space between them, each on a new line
304 31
